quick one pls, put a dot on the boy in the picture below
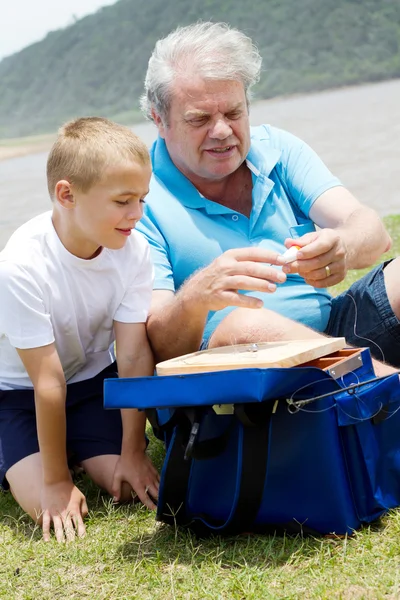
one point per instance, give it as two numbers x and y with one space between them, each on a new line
72 281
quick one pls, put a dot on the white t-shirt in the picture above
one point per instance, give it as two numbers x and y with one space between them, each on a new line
49 295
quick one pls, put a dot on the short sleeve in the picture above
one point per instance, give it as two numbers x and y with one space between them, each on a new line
135 304
163 275
305 175
24 319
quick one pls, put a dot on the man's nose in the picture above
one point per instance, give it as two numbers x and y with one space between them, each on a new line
220 130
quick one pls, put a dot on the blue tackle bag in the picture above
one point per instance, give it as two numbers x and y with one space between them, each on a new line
310 449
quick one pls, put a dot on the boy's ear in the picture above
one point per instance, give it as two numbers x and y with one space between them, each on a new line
63 194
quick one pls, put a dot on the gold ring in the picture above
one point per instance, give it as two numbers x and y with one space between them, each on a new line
327 271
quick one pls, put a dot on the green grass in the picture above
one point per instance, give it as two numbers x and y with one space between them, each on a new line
127 555
393 226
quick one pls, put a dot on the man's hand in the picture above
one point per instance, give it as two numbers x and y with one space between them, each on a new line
217 286
322 258
138 471
64 506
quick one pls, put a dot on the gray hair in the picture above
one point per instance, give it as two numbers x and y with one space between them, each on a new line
210 50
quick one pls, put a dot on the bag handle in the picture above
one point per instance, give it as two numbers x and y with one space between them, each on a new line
253 445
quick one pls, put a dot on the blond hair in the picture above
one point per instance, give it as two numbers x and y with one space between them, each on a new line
86 146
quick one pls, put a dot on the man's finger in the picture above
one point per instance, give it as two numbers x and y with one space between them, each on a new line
251 284
256 254
258 271
241 300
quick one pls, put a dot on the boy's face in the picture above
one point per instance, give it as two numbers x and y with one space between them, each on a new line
106 214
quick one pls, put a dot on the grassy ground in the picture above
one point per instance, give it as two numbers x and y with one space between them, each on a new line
127 555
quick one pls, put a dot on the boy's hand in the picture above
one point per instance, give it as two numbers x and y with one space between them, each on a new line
65 506
138 471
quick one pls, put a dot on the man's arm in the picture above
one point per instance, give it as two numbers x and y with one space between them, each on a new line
134 359
360 228
352 236
176 321
62 503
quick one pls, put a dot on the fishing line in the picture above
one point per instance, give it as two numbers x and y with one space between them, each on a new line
355 326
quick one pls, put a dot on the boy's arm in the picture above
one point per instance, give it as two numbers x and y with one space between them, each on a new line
61 501
134 359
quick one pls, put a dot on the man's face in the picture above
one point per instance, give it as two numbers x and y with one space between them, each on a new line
208 132
106 214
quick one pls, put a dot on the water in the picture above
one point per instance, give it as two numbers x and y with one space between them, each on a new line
354 130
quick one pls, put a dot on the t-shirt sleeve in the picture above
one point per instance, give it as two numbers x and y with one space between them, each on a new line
163 275
24 319
135 304
305 175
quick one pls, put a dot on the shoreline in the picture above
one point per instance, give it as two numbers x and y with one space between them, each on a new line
16 149
23 146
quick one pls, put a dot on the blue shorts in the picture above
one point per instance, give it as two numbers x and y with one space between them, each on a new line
363 316
91 430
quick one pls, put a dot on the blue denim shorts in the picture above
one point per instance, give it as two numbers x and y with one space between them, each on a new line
91 430
363 316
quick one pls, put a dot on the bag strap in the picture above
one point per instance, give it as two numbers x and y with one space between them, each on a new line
176 473
252 461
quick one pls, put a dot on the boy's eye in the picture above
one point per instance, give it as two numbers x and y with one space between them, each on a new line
121 202
142 200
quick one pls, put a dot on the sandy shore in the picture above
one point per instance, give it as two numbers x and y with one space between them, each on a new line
15 148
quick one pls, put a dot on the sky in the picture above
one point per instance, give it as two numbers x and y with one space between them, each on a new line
23 22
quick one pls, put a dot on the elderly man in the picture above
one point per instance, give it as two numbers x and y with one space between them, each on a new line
227 200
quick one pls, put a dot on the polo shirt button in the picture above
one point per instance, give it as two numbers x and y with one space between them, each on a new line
235 218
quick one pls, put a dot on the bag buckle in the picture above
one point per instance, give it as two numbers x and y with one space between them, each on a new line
194 432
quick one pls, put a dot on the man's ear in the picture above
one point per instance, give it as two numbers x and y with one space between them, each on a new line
63 194
159 122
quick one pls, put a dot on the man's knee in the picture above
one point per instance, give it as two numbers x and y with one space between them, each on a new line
392 284
244 325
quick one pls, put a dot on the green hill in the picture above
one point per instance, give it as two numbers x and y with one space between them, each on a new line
97 65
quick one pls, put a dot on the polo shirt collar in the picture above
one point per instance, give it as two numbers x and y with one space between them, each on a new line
171 177
261 157
261 160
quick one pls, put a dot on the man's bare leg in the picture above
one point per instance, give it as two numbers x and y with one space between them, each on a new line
392 282
244 326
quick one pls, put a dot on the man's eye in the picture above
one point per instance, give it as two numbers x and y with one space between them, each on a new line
198 122
233 116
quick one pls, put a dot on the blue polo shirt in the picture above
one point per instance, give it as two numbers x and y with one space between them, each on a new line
187 232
